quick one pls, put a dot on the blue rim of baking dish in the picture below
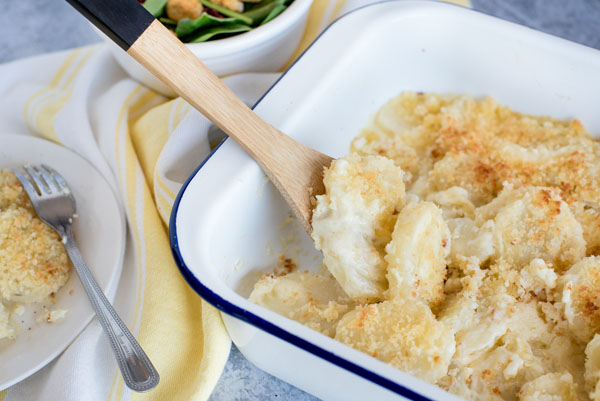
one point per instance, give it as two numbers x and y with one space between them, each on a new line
249 317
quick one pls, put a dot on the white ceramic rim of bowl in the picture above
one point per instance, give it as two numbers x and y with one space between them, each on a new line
215 48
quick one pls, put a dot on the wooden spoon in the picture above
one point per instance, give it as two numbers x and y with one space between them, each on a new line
295 169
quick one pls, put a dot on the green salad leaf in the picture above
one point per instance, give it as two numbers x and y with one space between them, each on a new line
206 34
274 13
167 21
226 12
207 26
155 7
249 6
188 26
262 10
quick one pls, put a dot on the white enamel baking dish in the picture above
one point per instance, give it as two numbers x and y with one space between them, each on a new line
228 224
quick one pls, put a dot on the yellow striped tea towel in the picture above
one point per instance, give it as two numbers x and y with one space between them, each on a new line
82 100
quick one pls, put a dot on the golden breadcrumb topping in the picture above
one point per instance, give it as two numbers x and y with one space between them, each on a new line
402 333
33 261
468 237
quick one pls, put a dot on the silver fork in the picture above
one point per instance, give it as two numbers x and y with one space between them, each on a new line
54 203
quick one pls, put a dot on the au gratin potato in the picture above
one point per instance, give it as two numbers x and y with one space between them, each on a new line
461 244
33 260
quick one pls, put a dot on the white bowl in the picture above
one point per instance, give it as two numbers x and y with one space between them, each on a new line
266 48
226 225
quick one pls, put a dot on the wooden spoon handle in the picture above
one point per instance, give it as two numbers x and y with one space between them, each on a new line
170 60
295 169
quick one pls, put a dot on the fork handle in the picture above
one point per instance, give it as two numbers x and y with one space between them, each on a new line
137 370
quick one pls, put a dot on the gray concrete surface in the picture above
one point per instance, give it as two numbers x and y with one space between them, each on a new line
576 20
29 27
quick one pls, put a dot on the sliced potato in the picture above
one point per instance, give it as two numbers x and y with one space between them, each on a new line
417 254
354 220
403 333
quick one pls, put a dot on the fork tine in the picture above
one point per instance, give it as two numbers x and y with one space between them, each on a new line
45 173
57 177
39 182
27 185
62 183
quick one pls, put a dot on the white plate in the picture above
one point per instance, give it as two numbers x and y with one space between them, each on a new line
227 224
100 234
